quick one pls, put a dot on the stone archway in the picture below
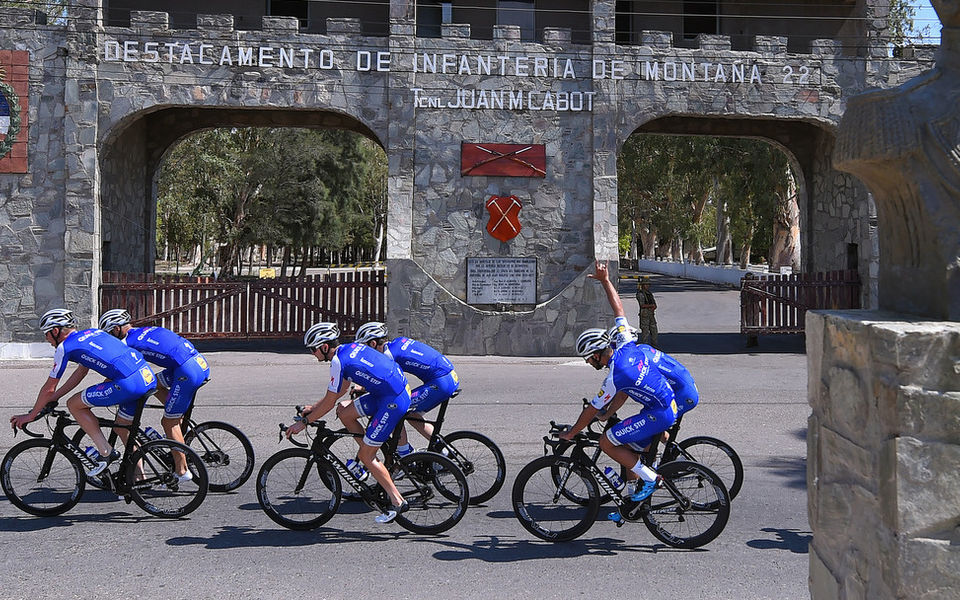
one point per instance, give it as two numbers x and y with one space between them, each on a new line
133 151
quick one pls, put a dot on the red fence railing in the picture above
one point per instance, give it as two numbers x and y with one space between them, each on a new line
203 308
779 303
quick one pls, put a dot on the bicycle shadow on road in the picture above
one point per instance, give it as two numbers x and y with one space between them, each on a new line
230 537
497 549
794 540
29 523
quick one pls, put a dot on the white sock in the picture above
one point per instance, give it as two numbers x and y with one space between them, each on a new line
645 472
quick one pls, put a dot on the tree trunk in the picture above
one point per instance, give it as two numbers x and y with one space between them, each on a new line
745 251
724 253
785 251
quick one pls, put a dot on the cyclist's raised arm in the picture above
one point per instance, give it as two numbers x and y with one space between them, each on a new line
602 275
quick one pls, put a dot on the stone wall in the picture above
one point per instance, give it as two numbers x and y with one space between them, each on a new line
99 129
883 449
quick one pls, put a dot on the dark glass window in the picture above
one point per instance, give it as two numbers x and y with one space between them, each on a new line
518 12
291 8
699 16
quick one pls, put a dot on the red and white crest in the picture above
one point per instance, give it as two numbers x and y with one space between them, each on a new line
504 223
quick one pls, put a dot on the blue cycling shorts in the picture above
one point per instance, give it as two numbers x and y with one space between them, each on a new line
385 414
183 383
686 393
123 393
429 395
639 430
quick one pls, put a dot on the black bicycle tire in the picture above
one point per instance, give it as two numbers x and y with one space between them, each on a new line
323 469
556 462
478 494
158 451
428 468
216 485
16 499
734 486
662 502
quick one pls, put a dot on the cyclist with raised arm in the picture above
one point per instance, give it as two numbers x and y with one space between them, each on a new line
184 371
386 403
435 370
129 378
631 377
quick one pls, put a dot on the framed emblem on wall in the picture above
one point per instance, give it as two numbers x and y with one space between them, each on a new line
14 73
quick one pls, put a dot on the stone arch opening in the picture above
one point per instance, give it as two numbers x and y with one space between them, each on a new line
836 215
134 150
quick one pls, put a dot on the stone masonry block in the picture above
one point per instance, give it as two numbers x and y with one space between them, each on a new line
770 44
281 24
823 583
343 26
920 482
215 22
930 568
506 32
927 414
656 39
850 408
713 42
150 19
825 47
557 35
455 30
849 462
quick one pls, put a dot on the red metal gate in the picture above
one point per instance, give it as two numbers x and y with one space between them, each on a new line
203 308
779 303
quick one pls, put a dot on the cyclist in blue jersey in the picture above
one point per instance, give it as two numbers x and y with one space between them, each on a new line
184 371
387 401
435 370
678 376
129 378
631 377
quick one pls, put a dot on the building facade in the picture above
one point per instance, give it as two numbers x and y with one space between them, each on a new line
550 91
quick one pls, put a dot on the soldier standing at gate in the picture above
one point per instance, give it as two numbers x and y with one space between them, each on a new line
648 321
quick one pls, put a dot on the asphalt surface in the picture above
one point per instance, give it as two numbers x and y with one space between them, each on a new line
756 401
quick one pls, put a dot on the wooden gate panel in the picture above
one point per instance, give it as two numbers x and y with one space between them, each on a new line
778 303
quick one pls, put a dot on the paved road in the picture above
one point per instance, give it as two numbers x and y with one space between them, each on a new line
106 549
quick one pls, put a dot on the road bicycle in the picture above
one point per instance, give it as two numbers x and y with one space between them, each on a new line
475 454
557 497
300 488
224 450
713 453
47 476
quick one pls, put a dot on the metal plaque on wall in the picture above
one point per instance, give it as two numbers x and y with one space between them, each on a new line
495 280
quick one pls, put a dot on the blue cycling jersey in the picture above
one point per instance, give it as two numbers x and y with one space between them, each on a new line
418 359
364 366
633 374
98 350
668 366
160 346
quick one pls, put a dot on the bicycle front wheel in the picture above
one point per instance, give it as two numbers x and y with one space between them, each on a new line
694 512
480 460
555 499
41 479
298 491
717 456
225 451
157 489
436 490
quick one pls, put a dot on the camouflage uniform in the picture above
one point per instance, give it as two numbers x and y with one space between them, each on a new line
648 321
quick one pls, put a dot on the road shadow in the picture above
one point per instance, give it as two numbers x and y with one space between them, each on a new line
251 537
729 343
793 540
28 523
793 470
498 549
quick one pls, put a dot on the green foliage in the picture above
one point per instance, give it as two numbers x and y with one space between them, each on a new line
55 10
290 188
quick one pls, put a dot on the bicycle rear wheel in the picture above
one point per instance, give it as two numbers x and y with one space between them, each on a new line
555 499
436 490
480 460
225 451
700 513
717 456
41 479
298 491
158 492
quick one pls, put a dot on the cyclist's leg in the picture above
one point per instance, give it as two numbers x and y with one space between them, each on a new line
349 412
429 396
636 432
183 383
686 393
88 422
388 414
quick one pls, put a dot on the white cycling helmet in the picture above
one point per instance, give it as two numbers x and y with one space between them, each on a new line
321 333
592 340
114 317
371 331
57 317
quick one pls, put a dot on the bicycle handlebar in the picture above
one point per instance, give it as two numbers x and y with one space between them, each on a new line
49 409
